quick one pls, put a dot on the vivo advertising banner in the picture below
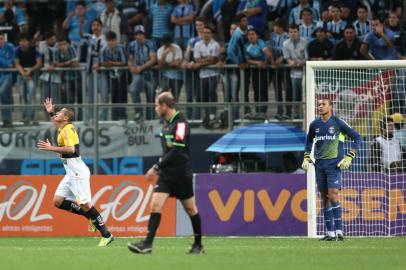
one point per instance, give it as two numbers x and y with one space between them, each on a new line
276 204
252 204
26 207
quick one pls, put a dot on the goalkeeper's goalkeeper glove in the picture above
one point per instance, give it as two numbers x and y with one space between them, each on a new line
346 161
306 161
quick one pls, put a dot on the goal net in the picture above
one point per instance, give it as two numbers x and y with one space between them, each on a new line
368 95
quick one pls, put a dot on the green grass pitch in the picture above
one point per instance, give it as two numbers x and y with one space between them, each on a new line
222 253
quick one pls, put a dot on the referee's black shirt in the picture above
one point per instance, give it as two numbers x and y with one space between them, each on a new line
175 137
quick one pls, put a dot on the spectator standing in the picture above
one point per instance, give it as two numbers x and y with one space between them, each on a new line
96 43
135 13
256 12
362 25
394 25
207 52
182 18
7 55
320 48
258 55
9 27
379 43
169 57
386 153
236 56
295 53
18 13
400 129
161 25
113 56
27 61
66 57
78 23
142 56
350 47
228 11
114 20
192 80
280 75
50 80
294 15
307 24
336 26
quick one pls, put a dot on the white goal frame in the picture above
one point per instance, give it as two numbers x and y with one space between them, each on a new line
311 66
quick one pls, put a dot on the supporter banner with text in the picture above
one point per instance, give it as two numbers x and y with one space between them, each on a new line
26 207
115 140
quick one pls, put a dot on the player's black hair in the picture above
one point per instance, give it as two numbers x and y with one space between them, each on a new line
110 35
24 35
238 18
80 3
362 6
98 21
63 38
306 9
49 34
294 26
349 26
384 122
166 98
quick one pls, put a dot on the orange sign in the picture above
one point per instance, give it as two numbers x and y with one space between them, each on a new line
124 202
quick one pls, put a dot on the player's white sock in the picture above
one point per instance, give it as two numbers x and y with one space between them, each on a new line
339 232
331 234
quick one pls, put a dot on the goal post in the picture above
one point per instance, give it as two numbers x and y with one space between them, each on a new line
363 93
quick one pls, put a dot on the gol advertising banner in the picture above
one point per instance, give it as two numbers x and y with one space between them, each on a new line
26 207
252 204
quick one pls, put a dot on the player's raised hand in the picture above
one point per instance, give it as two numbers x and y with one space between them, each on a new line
44 145
306 161
49 106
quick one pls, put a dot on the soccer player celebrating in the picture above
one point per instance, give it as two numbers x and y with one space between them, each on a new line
73 193
328 131
174 171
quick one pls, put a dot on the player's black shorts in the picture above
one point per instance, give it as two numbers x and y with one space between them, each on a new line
180 187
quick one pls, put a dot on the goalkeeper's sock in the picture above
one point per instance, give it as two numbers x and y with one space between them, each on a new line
72 207
153 225
337 213
328 218
97 221
197 229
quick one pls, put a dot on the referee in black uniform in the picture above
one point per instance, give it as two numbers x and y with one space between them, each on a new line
174 172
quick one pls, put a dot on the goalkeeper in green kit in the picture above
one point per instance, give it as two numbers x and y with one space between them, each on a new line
328 133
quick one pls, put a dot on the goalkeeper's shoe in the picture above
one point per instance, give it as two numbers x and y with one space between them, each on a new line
328 238
105 241
140 247
92 226
340 237
196 249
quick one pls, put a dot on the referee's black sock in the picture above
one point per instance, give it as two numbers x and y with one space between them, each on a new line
97 220
72 207
197 229
153 225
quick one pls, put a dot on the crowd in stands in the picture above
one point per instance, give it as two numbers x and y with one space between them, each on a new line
166 45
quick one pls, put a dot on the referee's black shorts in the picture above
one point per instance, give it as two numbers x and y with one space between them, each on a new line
178 186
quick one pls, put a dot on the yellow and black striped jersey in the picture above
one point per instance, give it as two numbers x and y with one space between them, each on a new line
67 136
